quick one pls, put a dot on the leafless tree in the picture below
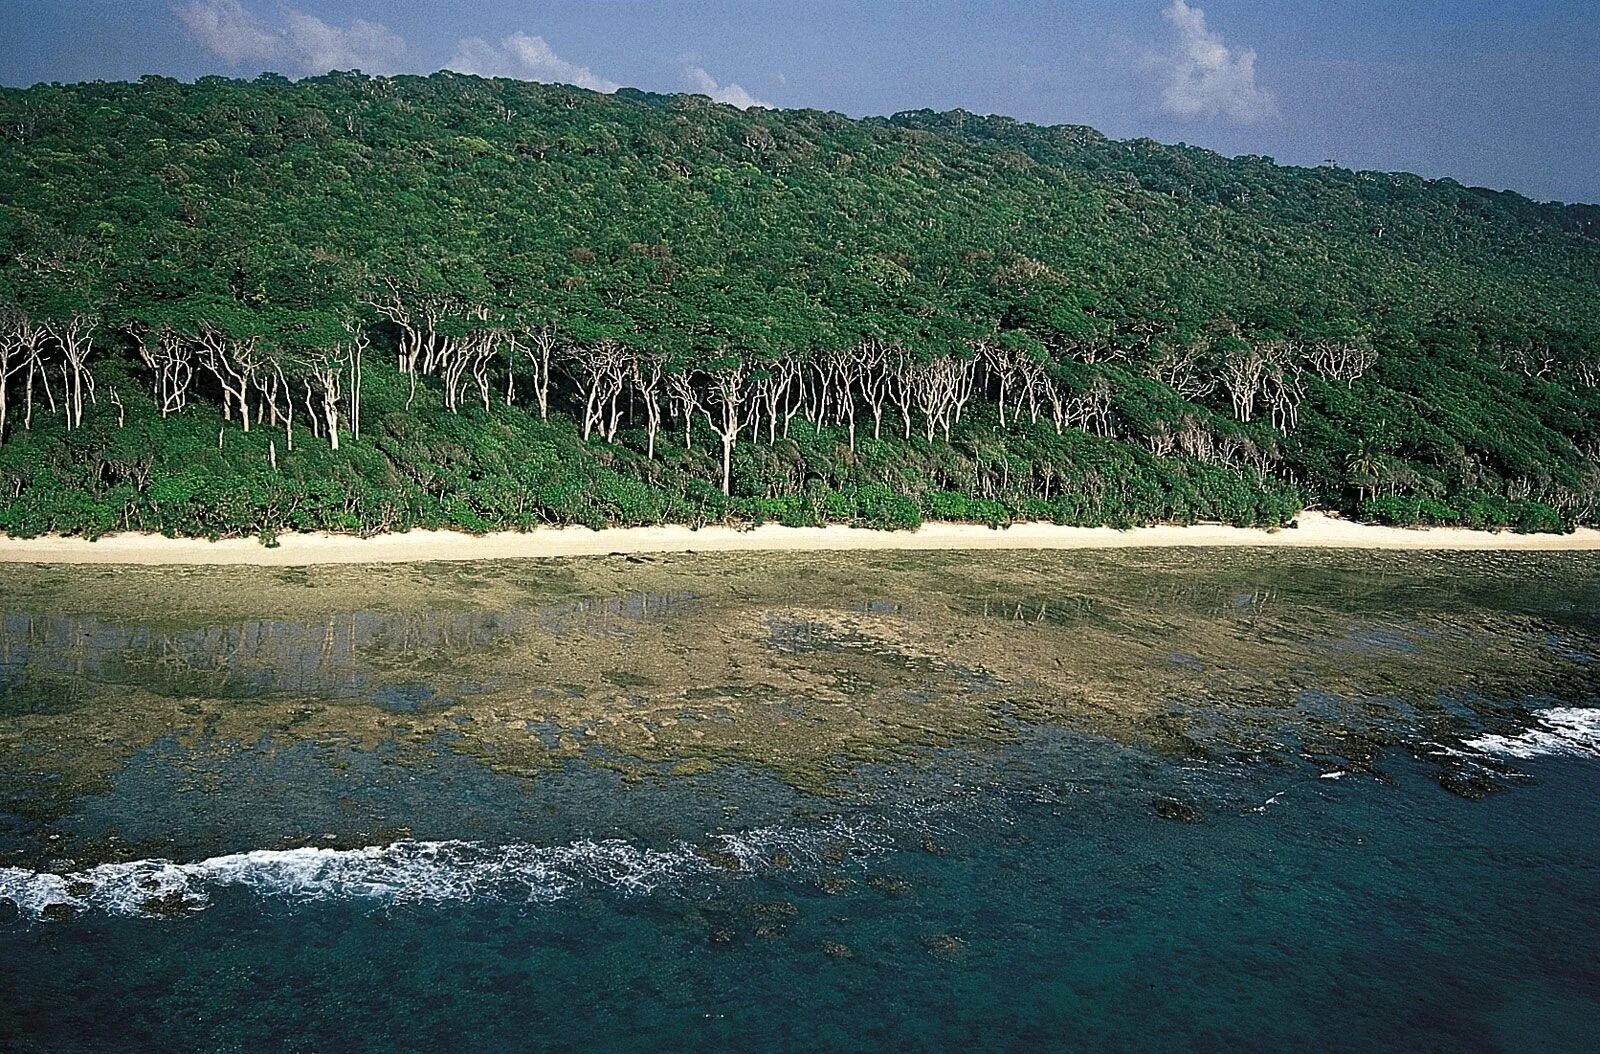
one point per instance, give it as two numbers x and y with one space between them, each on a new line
272 386
776 395
1243 372
685 400
601 371
1179 368
839 371
20 343
1283 385
170 358
1238 453
876 378
325 373
1586 369
649 375
1090 410
535 347
1195 440
358 342
727 390
464 357
74 339
1161 440
999 366
417 319
1530 359
942 387
38 373
1340 360
233 361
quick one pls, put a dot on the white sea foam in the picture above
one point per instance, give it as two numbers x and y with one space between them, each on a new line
1560 730
1270 801
423 872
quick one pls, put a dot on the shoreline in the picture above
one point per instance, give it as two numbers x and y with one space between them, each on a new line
1314 530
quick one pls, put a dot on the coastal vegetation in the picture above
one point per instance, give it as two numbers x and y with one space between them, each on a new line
364 304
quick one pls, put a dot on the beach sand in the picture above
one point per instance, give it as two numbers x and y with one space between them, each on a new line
1312 530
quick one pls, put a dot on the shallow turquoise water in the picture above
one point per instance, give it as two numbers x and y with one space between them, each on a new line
1025 899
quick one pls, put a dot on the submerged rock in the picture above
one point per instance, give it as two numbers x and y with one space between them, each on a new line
1173 809
1474 786
889 884
719 858
836 950
775 909
167 906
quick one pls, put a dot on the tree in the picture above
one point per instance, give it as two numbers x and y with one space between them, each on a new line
727 390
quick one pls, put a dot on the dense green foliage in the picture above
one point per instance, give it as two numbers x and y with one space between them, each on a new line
932 315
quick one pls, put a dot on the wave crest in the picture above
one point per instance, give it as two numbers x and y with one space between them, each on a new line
429 872
1562 730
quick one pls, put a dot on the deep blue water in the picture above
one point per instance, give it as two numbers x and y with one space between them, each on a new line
1023 898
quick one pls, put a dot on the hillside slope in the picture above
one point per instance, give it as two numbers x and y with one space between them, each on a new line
450 301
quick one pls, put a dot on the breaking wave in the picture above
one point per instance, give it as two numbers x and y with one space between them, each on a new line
1561 730
409 872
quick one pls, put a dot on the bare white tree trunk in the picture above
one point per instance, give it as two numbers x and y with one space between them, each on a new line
941 387
20 341
359 342
233 362
1341 361
685 400
1242 374
648 372
324 372
601 371
170 359
727 388
841 371
535 347
872 370
74 339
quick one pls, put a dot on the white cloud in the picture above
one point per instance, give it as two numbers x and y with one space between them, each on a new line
304 43
732 94
524 57
228 31
1201 76
364 45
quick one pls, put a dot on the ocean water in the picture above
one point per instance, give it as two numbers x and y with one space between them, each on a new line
1054 883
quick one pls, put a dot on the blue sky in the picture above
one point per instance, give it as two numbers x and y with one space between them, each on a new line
1493 93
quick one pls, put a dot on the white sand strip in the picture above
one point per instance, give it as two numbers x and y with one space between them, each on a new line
1315 530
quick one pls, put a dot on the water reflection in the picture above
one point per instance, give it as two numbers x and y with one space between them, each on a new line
331 658
46 660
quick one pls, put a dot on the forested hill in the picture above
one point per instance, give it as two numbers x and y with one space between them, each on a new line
359 303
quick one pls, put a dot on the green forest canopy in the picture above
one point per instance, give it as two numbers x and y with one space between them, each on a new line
361 303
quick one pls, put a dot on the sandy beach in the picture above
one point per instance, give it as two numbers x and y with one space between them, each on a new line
1312 530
